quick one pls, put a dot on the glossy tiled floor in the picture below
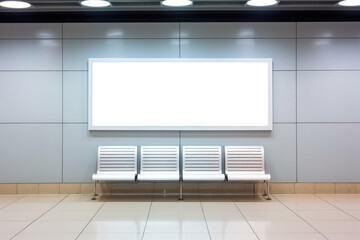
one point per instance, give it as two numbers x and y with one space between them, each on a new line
198 217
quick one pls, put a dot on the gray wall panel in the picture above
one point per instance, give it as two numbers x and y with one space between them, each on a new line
237 30
75 96
328 29
281 50
31 96
77 52
328 96
280 147
42 54
80 147
315 82
328 152
30 153
30 30
328 54
121 30
284 95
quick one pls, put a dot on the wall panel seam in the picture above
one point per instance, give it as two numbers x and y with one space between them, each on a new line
296 101
22 70
329 70
28 123
62 102
133 38
234 38
329 38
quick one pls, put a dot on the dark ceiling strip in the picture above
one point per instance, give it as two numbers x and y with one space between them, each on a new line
308 3
181 16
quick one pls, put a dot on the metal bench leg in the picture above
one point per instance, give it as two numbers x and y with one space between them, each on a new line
265 194
181 191
268 190
94 197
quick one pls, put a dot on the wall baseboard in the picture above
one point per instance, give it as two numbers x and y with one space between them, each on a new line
173 188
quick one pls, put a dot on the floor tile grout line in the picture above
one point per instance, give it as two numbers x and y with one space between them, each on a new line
12 202
277 197
39 217
207 226
246 220
300 217
357 219
91 219
147 218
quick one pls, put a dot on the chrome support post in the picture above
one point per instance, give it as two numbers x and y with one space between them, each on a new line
94 197
268 190
265 194
181 191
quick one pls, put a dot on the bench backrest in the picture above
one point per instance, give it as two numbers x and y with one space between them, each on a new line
206 159
117 159
244 159
159 159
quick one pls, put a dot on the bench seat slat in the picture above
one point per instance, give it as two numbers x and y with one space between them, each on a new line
202 163
245 163
116 163
248 177
159 163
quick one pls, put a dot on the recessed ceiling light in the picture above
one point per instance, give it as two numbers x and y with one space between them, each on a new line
176 3
95 3
15 4
350 3
261 3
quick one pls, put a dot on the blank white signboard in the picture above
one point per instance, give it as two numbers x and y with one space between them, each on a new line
180 94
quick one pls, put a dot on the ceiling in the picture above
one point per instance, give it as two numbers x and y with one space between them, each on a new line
200 11
198 5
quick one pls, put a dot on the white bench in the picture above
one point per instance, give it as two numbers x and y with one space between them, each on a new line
115 163
202 163
246 163
159 163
